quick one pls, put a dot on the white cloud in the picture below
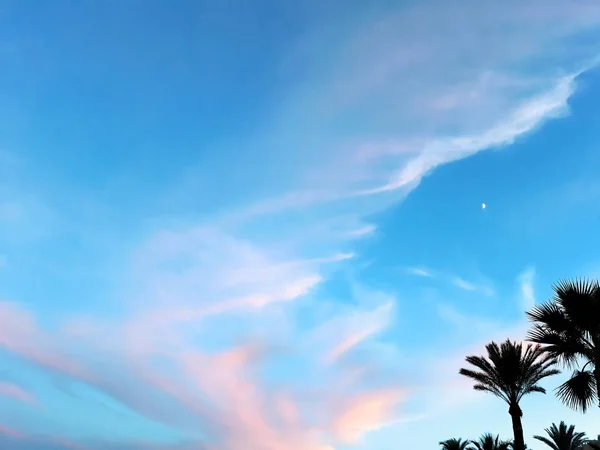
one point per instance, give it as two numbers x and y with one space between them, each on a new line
362 231
465 285
527 293
353 328
483 287
384 106
524 118
419 271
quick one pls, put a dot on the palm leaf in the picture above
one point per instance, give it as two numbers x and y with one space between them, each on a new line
489 442
510 370
578 392
547 441
454 444
569 329
562 437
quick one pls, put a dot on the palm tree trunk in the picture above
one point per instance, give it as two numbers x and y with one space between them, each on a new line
597 376
516 413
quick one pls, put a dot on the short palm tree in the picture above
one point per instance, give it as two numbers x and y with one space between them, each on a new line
568 326
511 372
562 438
489 442
455 444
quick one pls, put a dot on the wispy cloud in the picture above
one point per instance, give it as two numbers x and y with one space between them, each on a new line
11 432
470 323
465 285
366 413
211 308
16 392
483 288
526 117
353 328
419 271
527 293
229 401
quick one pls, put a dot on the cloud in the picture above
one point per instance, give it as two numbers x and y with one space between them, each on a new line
526 280
227 329
455 280
351 329
419 271
7 431
476 325
523 119
363 231
228 401
471 287
366 413
16 392
465 285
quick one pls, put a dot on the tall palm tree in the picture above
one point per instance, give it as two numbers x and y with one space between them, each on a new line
489 442
511 372
562 438
568 326
455 444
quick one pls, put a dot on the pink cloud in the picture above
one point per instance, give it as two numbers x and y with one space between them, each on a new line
223 393
217 272
11 432
69 444
16 392
349 330
21 335
365 413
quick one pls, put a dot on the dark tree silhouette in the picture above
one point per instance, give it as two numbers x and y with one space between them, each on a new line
455 444
562 438
489 442
510 372
568 327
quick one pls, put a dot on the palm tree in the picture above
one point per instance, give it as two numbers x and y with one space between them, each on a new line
562 438
489 442
511 372
455 444
568 326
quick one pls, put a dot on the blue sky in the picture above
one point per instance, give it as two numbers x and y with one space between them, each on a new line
229 226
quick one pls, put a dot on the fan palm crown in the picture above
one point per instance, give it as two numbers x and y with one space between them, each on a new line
568 327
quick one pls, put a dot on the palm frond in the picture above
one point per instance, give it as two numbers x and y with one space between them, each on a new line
578 392
569 329
550 314
547 441
565 346
510 370
454 444
490 442
580 300
562 437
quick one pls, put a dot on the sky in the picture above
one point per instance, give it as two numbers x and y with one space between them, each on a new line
258 225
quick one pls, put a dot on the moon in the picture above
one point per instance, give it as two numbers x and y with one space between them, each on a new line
483 206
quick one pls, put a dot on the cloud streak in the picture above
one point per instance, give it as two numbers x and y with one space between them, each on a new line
527 293
16 392
232 330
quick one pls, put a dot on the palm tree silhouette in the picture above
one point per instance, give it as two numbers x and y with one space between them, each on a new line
568 326
489 442
511 372
562 438
455 444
